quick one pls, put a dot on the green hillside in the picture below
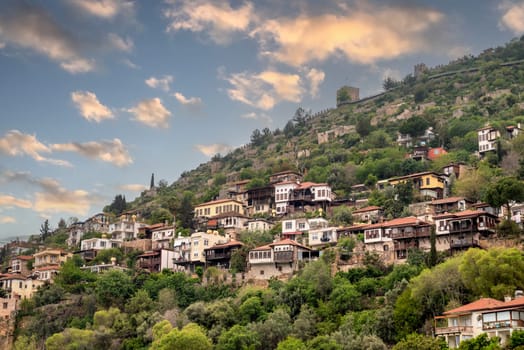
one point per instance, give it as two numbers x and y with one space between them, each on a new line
454 100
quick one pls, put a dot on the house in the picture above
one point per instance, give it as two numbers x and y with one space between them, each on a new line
297 229
455 169
391 240
188 256
50 257
486 315
310 196
282 195
125 228
89 248
259 224
487 139
322 236
428 184
213 208
517 213
220 254
408 233
21 264
285 176
231 223
156 260
75 233
236 190
18 286
450 204
277 259
46 273
370 214
462 230
182 251
161 237
99 268
260 200
513 131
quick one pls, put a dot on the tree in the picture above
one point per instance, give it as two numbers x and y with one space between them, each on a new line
481 342
390 83
238 337
516 341
152 183
503 192
414 126
363 126
118 206
113 288
45 230
190 337
416 341
185 211
72 339
291 343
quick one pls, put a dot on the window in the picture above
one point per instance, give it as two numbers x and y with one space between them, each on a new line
4 305
427 181
261 272
206 242
386 247
289 225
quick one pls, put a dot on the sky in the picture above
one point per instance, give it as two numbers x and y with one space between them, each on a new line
97 95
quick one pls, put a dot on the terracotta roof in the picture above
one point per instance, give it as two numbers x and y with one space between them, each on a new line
8 276
264 247
410 220
370 208
231 243
481 304
24 257
159 226
293 233
415 175
434 153
290 242
447 200
147 254
218 201
514 302
310 184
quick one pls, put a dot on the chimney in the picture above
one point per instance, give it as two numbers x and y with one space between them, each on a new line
519 294
507 298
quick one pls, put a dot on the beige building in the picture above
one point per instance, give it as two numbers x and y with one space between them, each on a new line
278 259
50 257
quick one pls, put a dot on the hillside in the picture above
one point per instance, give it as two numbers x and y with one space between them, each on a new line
356 141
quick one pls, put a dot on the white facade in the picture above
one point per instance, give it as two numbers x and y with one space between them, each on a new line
282 195
161 237
202 240
487 139
322 192
125 230
99 244
323 236
259 225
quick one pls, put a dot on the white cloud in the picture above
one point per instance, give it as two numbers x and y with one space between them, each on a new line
361 32
512 16
133 187
89 106
211 150
10 201
160 83
120 43
130 64
257 116
14 143
315 78
151 113
113 152
33 28
106 9
265 89
51 197
192 101
217 18
7 220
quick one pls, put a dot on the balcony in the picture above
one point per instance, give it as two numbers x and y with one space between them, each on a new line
421 233
283 257
217 255
502 324
405 245
454 330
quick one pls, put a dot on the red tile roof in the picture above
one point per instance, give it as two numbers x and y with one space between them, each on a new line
434 153
447 200
47 268
24 257
231 243
218 201
481 304
288 241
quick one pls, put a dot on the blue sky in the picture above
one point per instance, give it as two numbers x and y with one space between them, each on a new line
96 95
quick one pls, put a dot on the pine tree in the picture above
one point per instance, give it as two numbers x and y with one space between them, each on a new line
152 185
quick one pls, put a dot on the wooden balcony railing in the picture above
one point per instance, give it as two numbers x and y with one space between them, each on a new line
454 329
